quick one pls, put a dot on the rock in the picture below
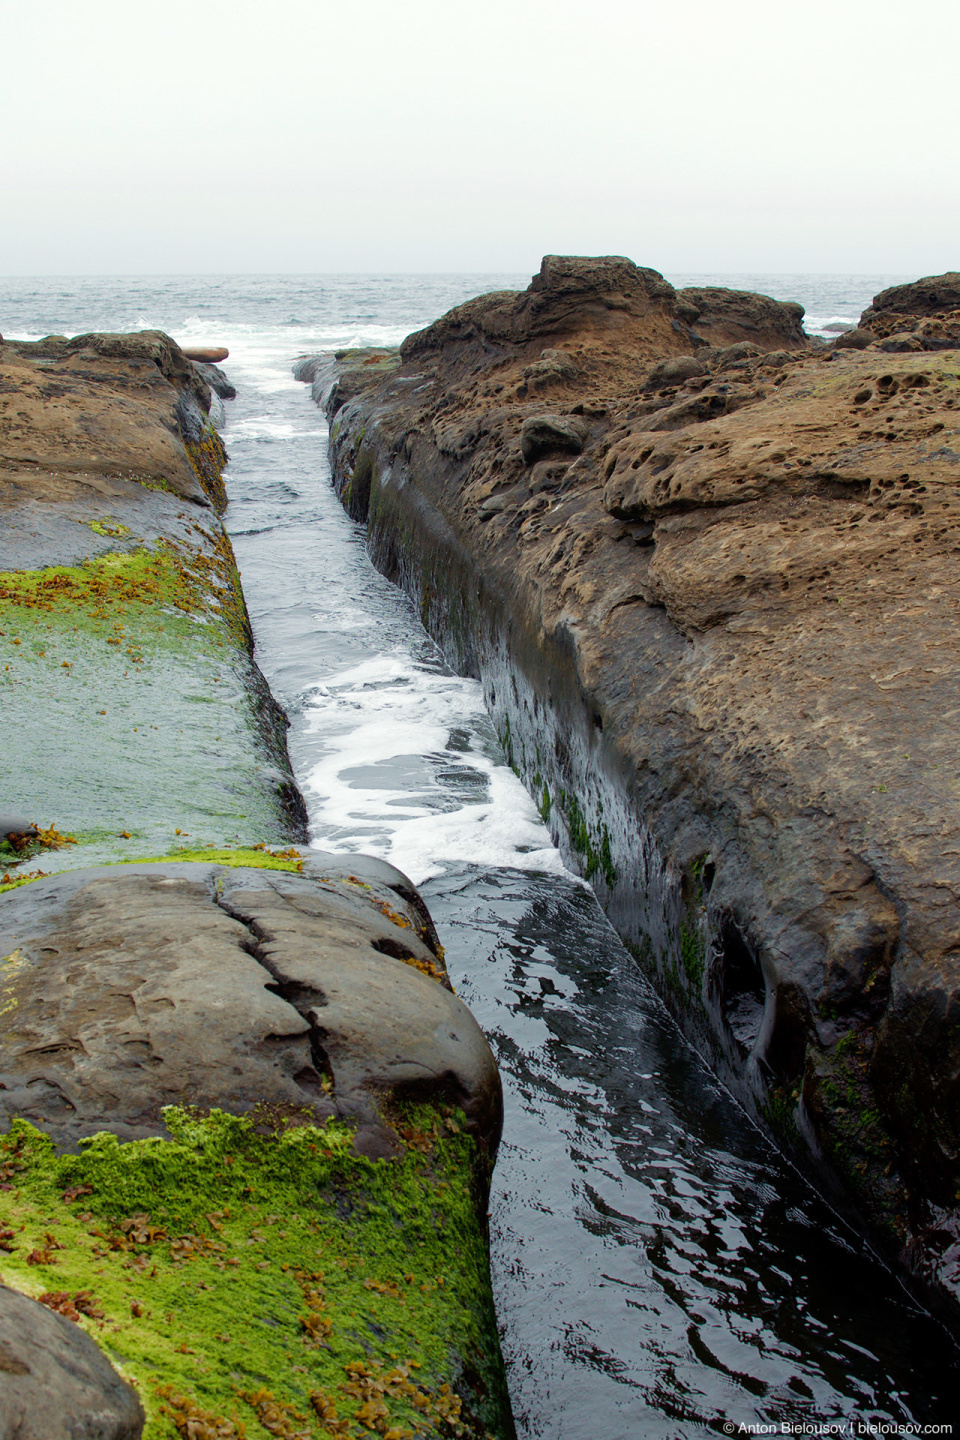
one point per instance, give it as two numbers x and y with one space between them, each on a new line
493 505
674 372
113 591
902 344
55 1382
734 355
218 382
776 359
697 652
726 316
930 296
927 309
855 339
16 826
157 984
543 435
208 354
553 365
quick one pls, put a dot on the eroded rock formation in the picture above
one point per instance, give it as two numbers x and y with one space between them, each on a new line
711 591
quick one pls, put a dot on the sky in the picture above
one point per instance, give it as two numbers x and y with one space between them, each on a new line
303 136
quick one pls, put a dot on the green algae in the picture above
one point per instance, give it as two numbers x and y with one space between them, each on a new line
249 1268
128 691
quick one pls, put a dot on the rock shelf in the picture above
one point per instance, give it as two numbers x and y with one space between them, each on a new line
706 571
246 1127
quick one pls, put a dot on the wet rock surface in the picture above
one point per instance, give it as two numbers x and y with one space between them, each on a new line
132 703
128 989
719 646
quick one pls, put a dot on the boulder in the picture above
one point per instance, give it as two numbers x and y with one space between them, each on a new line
149 985
543 435
674 372
55 1382
855 339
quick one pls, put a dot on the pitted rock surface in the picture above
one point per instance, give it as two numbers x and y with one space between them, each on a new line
125 989
55 1382
723 638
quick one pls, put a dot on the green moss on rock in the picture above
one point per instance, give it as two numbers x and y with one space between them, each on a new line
256 1273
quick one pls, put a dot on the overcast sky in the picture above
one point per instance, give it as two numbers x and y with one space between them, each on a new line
303 135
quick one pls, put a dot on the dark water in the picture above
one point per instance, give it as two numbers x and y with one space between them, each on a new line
659 1271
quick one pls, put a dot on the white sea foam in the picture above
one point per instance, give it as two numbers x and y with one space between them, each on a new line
410 771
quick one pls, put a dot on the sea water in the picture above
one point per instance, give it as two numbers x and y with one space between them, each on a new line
660 1271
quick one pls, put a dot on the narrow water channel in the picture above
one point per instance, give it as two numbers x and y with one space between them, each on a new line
660 1273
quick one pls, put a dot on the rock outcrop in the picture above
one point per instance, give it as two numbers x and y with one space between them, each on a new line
142 986
246 1127
924 315
134 710
717 635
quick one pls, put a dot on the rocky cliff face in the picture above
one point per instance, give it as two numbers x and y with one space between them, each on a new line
711 591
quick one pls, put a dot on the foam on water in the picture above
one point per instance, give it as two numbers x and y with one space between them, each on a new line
410 771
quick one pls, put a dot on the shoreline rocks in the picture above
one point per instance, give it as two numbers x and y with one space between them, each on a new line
135 710
246 1127
717 643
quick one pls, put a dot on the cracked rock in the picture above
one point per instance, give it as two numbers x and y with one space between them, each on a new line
126 990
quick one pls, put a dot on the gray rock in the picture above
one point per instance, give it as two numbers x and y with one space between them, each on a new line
16 825
148 985
674 372
855 339
216 379
543 435
493 505
55 1382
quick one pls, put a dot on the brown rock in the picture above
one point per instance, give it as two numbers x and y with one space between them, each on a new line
856 339
725 316
114 406
730 634
208 354
928 310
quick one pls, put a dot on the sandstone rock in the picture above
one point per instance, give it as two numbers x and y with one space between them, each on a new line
734 354
929 296
901 344
548 434
120 587
208 355
55 1382
106 403
928 309
855 339
726 316
553 365
674 372
186 983
731 638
